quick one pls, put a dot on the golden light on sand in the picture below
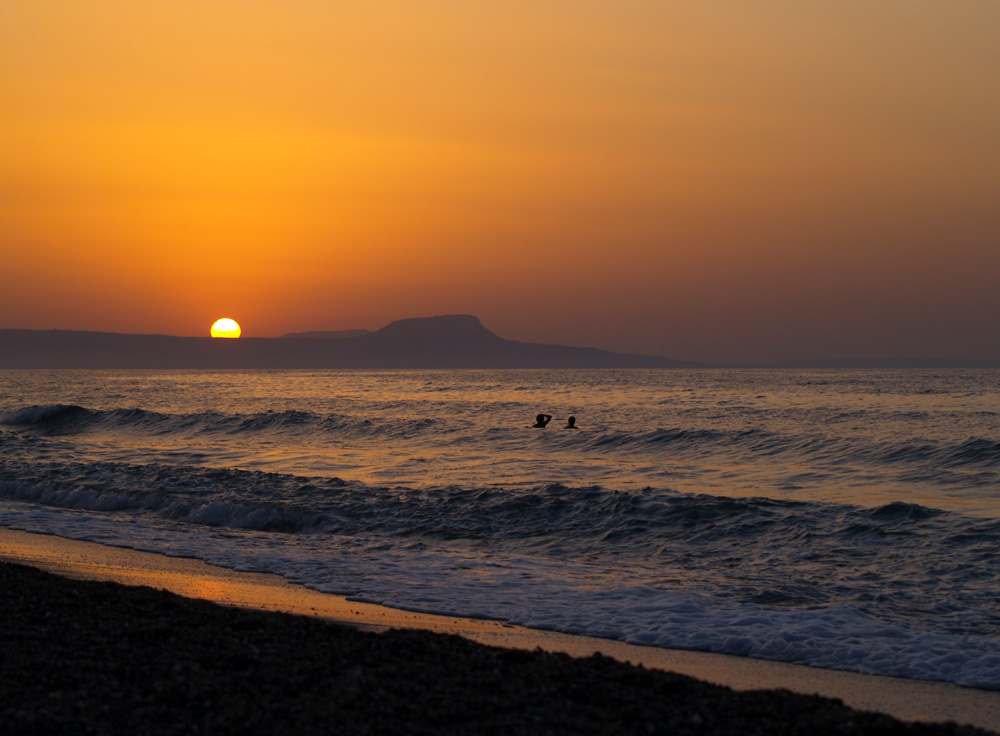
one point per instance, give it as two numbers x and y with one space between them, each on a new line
226 327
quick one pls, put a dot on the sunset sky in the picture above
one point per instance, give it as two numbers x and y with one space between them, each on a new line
752 180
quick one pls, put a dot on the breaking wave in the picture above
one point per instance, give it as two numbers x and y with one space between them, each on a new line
68 419
844 520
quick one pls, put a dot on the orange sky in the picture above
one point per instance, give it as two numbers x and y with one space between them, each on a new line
704 180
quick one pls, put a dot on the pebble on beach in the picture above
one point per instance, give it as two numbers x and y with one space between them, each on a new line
101 658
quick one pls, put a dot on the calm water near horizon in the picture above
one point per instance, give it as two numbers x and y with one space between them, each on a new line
843 519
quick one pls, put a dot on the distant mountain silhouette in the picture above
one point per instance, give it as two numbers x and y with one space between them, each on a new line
451 341
328 334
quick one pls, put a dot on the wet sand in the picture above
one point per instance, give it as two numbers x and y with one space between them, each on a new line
907 700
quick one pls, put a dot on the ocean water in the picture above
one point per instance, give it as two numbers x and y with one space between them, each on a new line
840 519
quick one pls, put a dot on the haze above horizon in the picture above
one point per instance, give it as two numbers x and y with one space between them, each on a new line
726 181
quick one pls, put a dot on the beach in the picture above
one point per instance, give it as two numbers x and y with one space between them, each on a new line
499 368
98 648
823 534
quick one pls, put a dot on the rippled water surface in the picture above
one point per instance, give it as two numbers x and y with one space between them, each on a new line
846 519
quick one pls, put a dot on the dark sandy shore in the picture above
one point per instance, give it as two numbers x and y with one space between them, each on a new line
93 657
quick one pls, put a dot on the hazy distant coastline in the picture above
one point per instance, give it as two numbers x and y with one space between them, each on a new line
449 341
328 334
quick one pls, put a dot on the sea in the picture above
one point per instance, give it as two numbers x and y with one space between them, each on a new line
840 519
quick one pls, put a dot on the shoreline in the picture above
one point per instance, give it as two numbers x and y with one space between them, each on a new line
907 700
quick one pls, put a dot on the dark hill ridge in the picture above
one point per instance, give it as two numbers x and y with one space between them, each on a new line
327 334
442 330
450 341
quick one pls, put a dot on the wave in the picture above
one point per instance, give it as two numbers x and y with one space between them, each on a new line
47 416
974 452
784 553
587 515
898 588
940 461
61 419
204 497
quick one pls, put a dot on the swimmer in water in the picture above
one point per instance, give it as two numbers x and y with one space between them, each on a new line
541 420
571 423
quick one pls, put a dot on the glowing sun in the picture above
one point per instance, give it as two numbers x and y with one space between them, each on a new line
226 327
